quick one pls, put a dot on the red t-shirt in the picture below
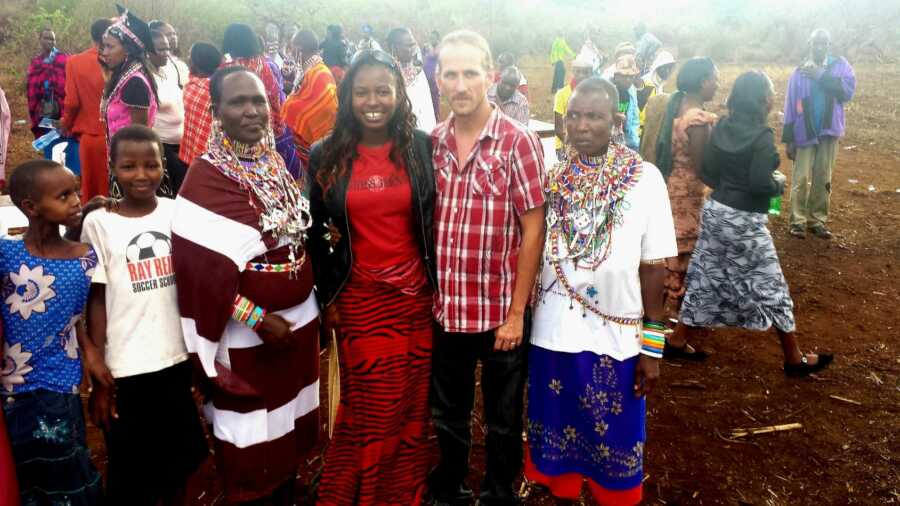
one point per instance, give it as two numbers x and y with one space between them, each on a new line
380 210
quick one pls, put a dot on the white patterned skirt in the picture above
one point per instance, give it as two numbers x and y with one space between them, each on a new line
735 278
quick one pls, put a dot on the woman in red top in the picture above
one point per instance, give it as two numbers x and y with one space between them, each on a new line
371 198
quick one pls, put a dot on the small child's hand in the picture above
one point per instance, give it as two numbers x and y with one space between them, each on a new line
102 405
96 367
97 202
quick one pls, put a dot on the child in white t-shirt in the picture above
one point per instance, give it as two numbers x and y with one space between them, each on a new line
142 392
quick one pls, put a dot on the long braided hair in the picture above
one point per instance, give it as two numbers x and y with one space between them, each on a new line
339 149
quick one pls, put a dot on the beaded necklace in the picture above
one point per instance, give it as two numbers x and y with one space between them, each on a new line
133 68
586 199
259 169
410 72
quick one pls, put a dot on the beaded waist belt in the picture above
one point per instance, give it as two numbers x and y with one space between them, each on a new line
294 266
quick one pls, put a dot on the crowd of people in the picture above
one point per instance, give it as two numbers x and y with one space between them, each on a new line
238 211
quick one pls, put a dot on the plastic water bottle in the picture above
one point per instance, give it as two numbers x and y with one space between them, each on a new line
775 206
41 143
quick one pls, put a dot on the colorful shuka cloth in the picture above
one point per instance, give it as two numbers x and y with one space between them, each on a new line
46 80
43 301
605 215
197 119
311 109
263 401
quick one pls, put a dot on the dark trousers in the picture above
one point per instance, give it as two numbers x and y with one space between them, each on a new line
559 76
175 168
503 375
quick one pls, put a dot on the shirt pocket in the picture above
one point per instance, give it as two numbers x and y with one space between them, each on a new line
491 177
442 164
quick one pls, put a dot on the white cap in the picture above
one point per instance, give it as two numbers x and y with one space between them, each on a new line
662 58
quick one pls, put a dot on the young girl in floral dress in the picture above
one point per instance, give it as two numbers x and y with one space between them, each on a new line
45 280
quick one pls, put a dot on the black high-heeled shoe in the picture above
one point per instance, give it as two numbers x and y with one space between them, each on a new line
804 369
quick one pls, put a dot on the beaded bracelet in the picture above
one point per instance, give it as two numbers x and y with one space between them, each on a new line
246 312
256 318
653 339
241 308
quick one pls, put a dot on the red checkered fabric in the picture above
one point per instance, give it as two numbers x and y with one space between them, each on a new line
197 119
53 72
476 220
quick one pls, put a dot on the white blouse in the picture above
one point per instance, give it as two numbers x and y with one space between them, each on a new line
646 232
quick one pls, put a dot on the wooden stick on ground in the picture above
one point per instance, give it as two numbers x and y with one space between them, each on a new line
752 431
844 399
688 384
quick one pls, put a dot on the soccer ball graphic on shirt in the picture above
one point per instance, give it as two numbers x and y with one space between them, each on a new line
148 245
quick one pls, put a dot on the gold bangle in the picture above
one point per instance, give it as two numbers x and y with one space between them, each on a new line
655 261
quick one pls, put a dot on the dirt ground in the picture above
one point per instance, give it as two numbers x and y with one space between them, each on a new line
845 293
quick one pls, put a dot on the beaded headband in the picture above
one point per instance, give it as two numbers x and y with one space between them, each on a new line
120 29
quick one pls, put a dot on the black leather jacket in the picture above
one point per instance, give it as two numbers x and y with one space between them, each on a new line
332 267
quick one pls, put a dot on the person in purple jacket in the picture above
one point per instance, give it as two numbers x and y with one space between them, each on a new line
813 122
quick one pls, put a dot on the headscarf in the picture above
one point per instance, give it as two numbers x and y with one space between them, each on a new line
131 30
134 34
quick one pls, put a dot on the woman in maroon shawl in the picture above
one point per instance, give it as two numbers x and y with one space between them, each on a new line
245 292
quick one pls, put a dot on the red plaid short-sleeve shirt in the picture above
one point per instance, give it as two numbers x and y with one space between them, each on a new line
477 231
197 119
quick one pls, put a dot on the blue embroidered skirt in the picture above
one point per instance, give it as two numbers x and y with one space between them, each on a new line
53 465
584 422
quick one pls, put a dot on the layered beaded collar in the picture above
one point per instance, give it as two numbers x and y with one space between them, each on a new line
259 169
586 198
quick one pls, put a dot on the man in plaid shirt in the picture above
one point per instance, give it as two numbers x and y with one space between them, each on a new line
205 59
489 232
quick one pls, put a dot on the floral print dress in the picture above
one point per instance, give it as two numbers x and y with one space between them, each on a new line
686 193
43 299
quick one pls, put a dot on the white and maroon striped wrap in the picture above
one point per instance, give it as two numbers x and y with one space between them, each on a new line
264 403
